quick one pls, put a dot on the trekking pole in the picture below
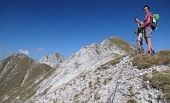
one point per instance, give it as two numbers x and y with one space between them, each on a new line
133 35
132 39
143 40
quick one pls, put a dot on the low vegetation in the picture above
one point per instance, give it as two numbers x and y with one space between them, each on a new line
143 61
131 101
121 44
161 80
145 79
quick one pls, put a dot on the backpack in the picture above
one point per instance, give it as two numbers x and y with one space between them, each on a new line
154 23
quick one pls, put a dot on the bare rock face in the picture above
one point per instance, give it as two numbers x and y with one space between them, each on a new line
52 60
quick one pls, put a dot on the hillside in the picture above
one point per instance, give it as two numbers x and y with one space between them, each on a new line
119 79
19 75
99 73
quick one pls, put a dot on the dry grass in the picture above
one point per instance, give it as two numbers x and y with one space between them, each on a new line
144 81
161 80
146 61
131 91
131 101
121 44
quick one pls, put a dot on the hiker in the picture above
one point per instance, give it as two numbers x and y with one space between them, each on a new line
140 35
148 29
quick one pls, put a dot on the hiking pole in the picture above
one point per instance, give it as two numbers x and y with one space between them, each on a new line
132 39
133 35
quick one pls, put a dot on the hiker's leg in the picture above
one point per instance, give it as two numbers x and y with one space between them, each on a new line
152 49
149 43
138 44
145 37
148 32
146 40
139 41
141 44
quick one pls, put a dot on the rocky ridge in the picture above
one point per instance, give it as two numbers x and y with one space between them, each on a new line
89 76
96 86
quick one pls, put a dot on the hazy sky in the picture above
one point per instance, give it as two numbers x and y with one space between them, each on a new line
41 27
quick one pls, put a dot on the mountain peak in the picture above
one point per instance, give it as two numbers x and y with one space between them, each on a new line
124 45
19 55
52 59
15 58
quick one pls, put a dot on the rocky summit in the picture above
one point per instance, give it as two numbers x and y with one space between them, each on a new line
53 59
108 72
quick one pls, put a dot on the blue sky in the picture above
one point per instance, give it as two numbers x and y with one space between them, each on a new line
41 27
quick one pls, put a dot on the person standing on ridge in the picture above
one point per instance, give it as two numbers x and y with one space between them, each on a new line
140 35
148 29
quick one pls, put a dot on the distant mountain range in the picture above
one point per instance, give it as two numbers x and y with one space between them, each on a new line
98 73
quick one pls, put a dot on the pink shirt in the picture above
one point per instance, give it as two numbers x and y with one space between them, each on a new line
149 15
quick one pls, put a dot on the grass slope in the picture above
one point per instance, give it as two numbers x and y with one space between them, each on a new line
20 76
124 45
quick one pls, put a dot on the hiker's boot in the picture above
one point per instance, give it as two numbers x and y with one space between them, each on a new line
153 52
148 51
142 51
137 51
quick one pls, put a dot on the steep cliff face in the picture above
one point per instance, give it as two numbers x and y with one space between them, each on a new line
52 60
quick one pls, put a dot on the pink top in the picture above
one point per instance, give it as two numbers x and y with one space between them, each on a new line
149 15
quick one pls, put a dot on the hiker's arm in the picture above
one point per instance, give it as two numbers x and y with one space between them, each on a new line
149 16
148 21
141 23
